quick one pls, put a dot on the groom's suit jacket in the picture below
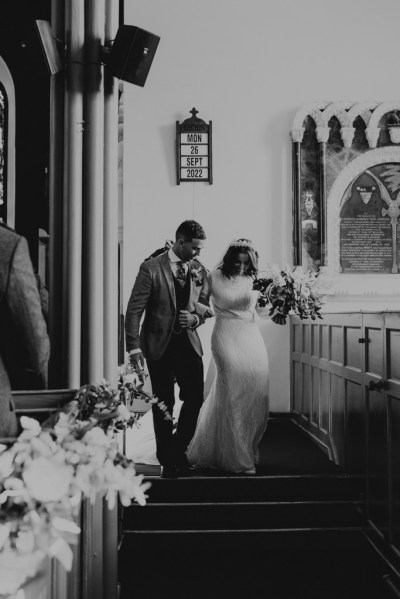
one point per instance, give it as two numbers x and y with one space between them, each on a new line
154 295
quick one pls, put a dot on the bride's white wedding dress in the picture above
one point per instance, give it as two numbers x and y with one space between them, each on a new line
234 415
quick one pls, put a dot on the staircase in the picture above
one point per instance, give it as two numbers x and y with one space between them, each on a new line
281 536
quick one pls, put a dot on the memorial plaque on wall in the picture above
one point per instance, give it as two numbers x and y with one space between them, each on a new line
369 237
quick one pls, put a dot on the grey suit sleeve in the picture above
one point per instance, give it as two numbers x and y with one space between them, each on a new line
136 306
26 315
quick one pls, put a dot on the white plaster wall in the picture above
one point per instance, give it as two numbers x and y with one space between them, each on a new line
248 66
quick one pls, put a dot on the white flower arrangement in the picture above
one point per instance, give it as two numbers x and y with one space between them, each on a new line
50 468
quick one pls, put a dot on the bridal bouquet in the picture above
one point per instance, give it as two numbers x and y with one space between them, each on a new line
108 408
289 291
130 386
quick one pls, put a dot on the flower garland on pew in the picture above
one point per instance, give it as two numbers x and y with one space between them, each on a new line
50 468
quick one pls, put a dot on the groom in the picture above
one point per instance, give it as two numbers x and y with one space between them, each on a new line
167 289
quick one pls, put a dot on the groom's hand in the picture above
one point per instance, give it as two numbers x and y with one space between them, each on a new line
137 361
186 319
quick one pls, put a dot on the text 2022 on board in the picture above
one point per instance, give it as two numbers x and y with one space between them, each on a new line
193 172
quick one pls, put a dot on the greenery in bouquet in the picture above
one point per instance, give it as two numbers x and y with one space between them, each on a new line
99 404
289 291
131 386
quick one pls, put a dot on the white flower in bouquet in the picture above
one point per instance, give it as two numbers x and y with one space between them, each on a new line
44 445
62 427
47 481
96 436
133 487
130 487
274 273
123 413
13 484
31 425
6 464
82 479
64 525
5 530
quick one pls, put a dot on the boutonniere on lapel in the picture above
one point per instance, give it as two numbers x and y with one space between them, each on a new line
197 275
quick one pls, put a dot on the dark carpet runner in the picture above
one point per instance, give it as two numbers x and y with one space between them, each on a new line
293 531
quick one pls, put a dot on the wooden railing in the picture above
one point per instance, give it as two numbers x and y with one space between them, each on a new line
39 404
345 393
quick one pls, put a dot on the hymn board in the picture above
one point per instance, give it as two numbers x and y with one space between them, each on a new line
193 149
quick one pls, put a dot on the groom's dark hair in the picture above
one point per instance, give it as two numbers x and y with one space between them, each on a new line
190 229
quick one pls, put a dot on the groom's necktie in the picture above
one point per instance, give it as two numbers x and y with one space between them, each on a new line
181 273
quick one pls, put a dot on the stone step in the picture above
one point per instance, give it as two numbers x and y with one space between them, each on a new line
269 540
254 488
281 564
241 515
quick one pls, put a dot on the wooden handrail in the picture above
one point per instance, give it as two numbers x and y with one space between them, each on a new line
46 400
34 402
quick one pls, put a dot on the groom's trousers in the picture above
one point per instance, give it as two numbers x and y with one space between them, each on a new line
180 363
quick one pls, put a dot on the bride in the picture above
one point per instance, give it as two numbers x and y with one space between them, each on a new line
234 414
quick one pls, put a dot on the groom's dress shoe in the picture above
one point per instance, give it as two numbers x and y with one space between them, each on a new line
169 472
185 469
182 462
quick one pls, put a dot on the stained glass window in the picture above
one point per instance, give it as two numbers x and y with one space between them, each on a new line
3 154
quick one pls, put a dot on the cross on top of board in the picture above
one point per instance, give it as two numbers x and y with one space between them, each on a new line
193 112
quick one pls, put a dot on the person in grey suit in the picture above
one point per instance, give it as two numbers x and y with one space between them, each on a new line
24 343
167 290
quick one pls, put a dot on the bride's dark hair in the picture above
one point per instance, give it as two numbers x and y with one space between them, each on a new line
240 246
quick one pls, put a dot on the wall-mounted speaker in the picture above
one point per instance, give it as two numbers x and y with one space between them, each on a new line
49 46
132 54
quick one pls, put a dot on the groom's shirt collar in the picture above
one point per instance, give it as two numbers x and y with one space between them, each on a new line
173 257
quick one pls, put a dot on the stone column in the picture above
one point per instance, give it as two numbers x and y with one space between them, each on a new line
297 137
322 138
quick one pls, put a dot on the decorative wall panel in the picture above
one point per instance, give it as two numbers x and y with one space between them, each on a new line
346 192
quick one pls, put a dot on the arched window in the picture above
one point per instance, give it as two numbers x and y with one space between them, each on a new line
3 152
7 145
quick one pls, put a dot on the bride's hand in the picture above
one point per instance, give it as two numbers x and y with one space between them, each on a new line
203 310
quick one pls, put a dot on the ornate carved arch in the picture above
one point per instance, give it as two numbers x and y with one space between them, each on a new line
334 109
372 131
362 109
312 110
